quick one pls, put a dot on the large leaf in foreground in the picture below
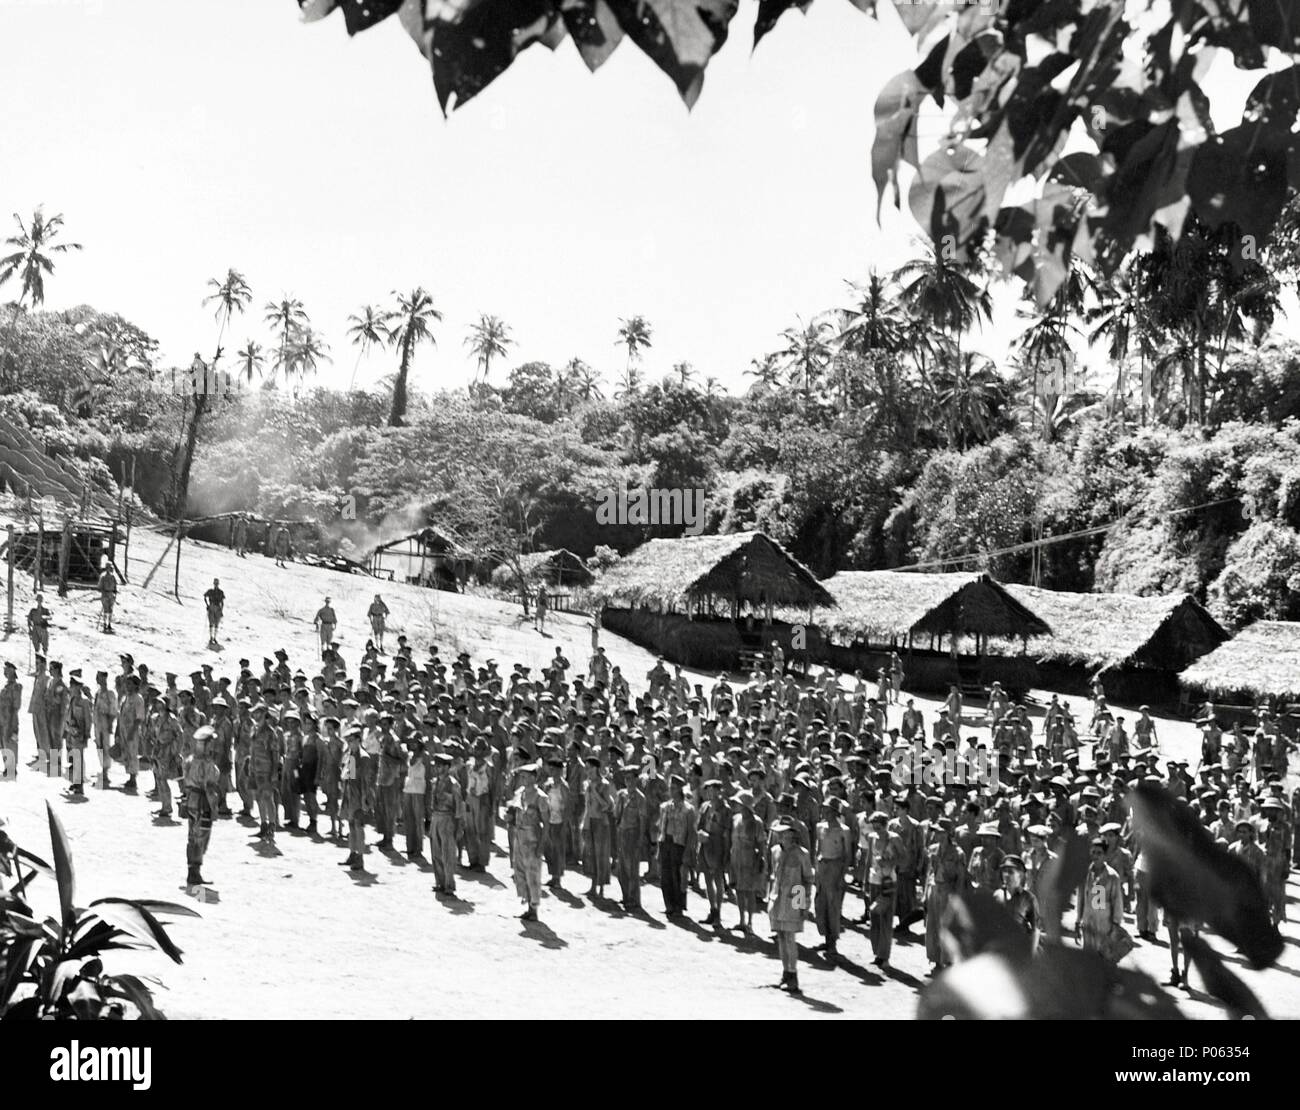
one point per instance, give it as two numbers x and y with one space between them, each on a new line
1198 880
63 870
135 921
1059 983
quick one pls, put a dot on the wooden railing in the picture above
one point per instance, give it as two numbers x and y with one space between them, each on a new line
558 603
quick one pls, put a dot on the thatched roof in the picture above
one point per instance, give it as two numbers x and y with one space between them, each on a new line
1110 630
544 564
873 605
27 472
434 540
1262 660
741 566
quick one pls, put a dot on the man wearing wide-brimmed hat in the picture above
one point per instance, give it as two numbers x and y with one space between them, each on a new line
945 875
1276 847
201 786
748 857
881 852
529 816
714 826
791 879
985 866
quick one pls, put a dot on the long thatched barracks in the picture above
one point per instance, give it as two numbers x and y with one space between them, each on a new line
706 601
1137 644
943 622
1260 663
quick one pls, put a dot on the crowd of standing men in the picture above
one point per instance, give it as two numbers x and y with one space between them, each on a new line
770 793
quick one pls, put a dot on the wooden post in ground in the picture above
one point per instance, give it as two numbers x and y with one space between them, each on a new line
65 554
126 545
9 612
38 577
180 532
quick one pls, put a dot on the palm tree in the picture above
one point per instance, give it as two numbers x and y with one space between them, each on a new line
944 295
287 317
36 241
875 329
634 334
630 384
409 326
685 374
712 387
766 371
1202 295
585 381
251 360
970 394
1044 346
366 331
306 353
488 339
1120 318
807 351
231 295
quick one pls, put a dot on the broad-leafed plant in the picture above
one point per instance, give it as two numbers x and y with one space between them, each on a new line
54 967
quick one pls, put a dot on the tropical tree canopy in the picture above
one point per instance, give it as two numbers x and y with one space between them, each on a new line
1010 80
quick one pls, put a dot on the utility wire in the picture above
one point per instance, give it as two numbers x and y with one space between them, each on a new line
1044 541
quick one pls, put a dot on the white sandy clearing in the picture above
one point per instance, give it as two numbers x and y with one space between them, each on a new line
294 935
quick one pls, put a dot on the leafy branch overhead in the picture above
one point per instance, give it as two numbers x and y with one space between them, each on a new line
1101 103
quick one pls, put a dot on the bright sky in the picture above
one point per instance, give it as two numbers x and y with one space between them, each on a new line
181 139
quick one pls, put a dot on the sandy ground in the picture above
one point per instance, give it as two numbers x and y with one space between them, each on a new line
291 934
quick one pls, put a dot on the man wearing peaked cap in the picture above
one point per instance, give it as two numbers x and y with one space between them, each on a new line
1019 900
77 732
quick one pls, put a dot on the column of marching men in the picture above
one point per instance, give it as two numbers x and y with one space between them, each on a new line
770 794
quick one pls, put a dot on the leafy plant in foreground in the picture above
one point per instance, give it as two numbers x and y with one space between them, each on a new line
54 968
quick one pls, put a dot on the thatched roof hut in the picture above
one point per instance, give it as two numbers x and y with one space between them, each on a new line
426 557
695 572
874 606
560 567
1261 661
1108 631
27 472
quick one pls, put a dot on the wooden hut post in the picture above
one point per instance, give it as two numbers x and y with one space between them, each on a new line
126 544
180 531
424 551
38 579
65 553
9 611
